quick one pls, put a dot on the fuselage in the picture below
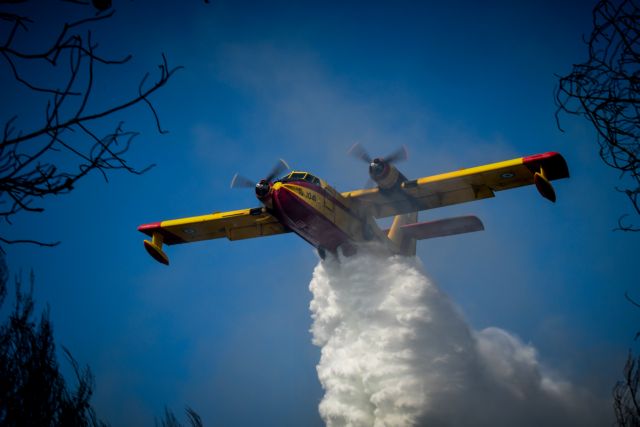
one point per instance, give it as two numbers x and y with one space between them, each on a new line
318 213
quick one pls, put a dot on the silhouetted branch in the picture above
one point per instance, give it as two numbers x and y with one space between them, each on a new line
33 242
169 419
194 418
605 89
48 158
625 394
631 300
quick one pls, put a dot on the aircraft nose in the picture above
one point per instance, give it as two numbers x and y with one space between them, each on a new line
262 188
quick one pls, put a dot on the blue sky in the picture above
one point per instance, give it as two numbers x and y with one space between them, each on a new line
225 327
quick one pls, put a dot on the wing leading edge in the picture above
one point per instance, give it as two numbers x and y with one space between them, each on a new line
465 185
234 225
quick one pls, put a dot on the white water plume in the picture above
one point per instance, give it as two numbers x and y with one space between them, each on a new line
396 352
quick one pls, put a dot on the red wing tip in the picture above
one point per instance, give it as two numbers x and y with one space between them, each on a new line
555 166
540 156
150 226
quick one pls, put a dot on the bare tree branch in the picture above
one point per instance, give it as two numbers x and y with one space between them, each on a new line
605 89
625 394
631 300
48 158
33 242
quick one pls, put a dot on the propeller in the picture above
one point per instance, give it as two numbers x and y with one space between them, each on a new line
397 156
359 152
378 164
262 187
277 169
240 181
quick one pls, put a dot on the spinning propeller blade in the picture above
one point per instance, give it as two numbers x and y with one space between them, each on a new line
397 156
359 152
278 168
240 181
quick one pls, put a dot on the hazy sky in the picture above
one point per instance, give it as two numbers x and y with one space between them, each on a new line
225 328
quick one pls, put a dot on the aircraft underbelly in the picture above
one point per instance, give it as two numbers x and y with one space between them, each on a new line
306 221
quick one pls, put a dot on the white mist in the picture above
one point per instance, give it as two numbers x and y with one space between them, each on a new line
396 352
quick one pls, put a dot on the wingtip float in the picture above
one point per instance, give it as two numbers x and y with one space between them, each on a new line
154 246
304 204
546 167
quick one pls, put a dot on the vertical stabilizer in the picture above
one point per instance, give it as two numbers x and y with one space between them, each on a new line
405 244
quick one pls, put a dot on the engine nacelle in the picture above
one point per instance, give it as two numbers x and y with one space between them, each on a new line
385 174
263 192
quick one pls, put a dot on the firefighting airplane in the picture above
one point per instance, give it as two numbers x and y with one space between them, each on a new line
302 203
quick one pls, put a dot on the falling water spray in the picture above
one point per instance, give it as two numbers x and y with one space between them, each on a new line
396 352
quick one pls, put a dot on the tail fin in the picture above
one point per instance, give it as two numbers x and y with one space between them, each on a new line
405 243
405 231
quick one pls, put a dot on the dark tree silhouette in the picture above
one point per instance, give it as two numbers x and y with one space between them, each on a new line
625 394
170 420
626 401
33 392
62 142
53 152
605 89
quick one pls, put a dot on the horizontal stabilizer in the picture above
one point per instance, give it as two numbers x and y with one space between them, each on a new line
442 227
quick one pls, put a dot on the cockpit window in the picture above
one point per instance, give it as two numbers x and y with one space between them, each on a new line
297 176
312 179
285 178
300 176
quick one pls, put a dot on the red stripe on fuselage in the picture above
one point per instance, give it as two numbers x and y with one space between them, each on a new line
304 220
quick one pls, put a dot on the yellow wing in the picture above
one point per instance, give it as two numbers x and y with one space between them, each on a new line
234 225
464 185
